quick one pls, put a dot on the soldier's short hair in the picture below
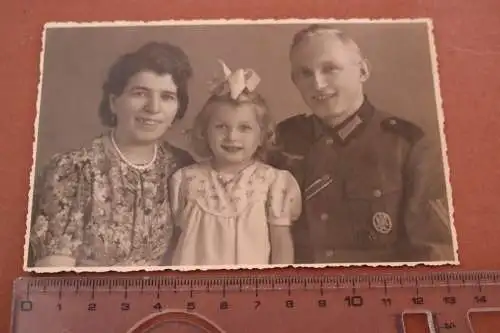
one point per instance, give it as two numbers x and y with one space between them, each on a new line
315 29
267 125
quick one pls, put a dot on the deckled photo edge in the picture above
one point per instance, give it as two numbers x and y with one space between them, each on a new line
231 21
249 268
440 116
443 142
34 153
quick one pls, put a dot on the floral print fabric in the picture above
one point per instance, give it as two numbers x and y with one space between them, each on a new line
96 209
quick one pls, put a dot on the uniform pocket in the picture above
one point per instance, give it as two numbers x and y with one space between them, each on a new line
376 203
364 189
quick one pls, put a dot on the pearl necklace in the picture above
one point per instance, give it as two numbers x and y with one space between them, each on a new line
140 167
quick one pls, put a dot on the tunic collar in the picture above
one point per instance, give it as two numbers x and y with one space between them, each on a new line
349 128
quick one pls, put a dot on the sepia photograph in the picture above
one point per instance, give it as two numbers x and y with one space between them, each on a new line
229 144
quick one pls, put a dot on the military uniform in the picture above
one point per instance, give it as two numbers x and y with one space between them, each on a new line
373 189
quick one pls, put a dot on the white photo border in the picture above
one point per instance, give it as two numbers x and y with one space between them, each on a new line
242 21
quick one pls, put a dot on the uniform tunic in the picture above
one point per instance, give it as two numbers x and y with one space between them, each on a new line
373 189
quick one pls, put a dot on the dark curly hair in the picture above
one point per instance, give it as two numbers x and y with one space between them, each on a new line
161 58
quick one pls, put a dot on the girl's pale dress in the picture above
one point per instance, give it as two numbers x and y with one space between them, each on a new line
91 206
225 220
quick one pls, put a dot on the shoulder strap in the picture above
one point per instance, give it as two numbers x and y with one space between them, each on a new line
402 128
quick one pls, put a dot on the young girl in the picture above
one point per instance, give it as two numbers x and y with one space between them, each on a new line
233 209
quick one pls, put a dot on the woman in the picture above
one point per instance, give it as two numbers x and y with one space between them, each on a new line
107 204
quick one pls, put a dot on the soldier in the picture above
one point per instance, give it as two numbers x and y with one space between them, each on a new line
373 187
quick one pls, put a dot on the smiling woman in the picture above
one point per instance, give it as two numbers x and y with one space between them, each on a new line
107 205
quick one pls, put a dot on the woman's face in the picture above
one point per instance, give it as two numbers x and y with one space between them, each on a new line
146 108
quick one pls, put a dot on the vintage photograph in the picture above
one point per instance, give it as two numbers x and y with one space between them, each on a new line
229 144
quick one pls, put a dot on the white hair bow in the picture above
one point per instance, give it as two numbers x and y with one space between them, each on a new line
234 82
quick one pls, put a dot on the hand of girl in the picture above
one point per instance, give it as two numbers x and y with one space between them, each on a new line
281 245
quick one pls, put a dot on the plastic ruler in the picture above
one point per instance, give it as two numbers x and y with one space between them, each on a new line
213 302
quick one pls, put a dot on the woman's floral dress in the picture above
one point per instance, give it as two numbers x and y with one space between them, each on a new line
96 209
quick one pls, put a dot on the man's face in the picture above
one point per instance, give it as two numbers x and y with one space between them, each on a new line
329 75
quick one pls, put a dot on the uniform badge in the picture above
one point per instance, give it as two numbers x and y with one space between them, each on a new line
317 186
291 159
382 222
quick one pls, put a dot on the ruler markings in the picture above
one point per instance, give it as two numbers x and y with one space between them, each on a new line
92 294
44 284
342 279
230 285
390 295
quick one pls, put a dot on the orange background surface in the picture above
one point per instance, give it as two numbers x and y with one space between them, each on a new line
467 37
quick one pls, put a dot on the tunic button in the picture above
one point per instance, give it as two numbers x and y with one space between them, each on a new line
377 193
329 141
323 217
329 253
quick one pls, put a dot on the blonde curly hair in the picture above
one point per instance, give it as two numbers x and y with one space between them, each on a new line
199 131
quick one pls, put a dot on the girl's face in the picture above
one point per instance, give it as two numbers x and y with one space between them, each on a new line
146 108
233 133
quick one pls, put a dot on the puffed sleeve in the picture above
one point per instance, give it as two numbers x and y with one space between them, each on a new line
61 208
284 203
176 195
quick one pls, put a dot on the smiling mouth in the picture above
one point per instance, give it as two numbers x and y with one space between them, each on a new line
323 97
231 149
147 121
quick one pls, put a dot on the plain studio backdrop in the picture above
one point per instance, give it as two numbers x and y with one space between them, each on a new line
77 58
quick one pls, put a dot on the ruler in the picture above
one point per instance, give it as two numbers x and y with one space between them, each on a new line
253 303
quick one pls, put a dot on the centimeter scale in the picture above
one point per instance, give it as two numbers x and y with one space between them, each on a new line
212 303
